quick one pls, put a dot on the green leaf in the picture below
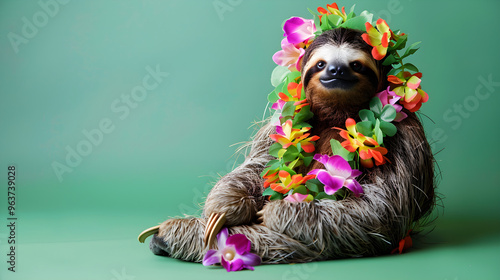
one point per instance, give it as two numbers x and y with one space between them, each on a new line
279 74
307 160
388 128
400 43
300 189
325 25
274 149
265 171
410 67
281 153
297 162
390 59
355 23
288 109
350 15
290 154
314 185
271 162
312 12
290 171
335 20
273 96
388 113
337 149
268 191
378 133
276 196
365 128
323 195
304 124
303 115
411 49
376 105
367 115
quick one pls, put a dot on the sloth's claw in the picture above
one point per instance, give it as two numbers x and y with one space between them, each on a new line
150 231
214 224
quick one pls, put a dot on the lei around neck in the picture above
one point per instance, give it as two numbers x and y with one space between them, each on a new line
363 141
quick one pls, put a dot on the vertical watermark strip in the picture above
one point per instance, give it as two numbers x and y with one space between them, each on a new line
11 218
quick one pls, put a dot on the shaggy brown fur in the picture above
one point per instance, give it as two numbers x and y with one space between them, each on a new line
397 194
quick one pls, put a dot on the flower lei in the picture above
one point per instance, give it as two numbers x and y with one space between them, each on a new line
364 141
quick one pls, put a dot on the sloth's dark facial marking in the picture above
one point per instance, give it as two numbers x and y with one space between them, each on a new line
338 68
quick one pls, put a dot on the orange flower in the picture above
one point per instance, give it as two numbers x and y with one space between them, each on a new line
367 147
408 87
288 136
333 9
270 177
295 91
288 182
378 38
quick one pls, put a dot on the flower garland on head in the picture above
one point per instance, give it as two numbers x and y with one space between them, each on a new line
363 141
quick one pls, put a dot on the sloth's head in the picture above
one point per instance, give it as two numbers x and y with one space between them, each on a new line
338 70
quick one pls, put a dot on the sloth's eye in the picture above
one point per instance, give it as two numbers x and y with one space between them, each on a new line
356 66
321 64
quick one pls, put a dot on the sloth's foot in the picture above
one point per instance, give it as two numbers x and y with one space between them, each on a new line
180 239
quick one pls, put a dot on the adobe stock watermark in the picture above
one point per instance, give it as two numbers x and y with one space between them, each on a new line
300 271
200 193
454 116
393 7
223 6
31 26
121 276
121 107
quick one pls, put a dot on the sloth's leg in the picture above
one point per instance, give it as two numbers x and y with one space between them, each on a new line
351 227
182 239
239 193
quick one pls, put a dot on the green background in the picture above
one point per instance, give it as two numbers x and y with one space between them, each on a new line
72 70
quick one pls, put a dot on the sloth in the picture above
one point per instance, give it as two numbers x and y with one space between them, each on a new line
339 76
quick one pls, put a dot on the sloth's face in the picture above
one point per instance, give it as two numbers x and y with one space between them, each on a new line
339 74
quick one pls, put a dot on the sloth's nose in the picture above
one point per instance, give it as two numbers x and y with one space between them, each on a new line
338 70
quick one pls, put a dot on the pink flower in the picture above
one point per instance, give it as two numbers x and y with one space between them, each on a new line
289 56
298 30
390 97
338 174
233 252
297 198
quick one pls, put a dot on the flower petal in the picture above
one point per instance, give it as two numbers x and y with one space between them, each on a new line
338 166
250 260
234 265
240 243
332 183
222 238
211 257
354 186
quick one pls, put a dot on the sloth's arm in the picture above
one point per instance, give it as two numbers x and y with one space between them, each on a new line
239 193
397 194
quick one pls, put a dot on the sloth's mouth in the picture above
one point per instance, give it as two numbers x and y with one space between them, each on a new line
331 83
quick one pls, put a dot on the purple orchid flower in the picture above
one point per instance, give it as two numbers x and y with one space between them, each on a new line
390 97
233 252
298 30
338 174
